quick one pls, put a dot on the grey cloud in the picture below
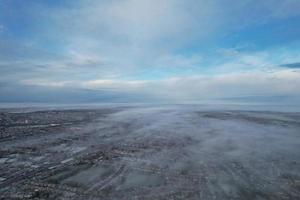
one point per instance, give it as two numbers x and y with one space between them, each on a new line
292 65
22 93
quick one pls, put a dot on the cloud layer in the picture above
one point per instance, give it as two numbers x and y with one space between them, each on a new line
164 49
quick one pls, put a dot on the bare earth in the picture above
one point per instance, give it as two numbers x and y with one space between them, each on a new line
175 152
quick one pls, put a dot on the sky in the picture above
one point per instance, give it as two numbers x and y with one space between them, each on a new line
150 51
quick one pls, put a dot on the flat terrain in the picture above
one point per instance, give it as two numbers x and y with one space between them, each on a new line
174 152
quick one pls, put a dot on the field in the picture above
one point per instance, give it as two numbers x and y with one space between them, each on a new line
149 152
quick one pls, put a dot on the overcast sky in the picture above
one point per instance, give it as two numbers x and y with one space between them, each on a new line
149 50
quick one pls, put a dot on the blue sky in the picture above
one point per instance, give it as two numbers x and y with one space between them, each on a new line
149 50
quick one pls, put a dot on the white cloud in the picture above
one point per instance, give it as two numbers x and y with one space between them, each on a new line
109 44
114 84
46 83
135 34
283 82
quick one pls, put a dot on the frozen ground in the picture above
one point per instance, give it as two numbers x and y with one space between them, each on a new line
149 152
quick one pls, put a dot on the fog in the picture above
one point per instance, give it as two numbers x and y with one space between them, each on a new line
150 152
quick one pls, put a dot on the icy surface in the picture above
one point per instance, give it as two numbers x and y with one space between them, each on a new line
149 152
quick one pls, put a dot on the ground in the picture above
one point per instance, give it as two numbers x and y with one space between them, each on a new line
149 152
